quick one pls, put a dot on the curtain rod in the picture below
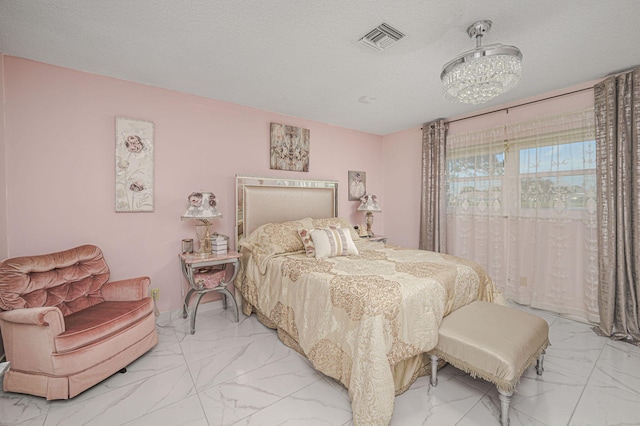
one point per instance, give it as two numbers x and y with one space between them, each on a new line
520 105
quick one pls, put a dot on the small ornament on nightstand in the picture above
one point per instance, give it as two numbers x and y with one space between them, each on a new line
187 245
219 243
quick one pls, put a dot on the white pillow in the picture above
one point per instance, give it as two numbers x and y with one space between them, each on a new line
330 242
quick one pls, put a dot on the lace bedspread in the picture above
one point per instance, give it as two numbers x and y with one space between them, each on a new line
360 319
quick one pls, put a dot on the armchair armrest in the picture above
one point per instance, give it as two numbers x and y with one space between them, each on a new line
128 289
29 335
45 316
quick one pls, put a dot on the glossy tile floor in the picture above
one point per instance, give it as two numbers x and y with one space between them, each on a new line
240 374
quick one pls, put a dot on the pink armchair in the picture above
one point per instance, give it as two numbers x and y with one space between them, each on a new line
65 328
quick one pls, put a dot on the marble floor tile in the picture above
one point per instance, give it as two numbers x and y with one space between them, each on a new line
16 408
487 412
231 373
237 360
125 403
316 404
186 412
220 336
612 395
281 378
445 404
228 403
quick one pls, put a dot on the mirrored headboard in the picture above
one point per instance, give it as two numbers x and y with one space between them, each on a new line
261 200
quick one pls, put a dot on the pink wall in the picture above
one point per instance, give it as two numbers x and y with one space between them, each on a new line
59 138
402 153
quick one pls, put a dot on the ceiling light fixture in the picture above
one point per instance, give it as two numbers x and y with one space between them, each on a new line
481 74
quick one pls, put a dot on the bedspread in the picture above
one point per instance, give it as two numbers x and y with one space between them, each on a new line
358 317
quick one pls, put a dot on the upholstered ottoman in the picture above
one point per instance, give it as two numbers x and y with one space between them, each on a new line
494 342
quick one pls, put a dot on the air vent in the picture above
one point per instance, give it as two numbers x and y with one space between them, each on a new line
382 37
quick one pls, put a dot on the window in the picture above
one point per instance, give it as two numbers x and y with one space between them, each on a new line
475 179
522 203
558 176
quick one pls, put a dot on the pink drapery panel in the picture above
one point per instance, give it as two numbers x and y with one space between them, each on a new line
617 110
432 207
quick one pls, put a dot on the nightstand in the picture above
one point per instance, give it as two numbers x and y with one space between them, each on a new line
202 278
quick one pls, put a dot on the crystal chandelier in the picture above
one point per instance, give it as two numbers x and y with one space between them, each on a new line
481 74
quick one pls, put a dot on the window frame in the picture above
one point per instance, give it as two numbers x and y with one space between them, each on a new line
511 149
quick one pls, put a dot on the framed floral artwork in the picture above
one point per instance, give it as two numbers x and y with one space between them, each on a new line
357 185
289 148
134 165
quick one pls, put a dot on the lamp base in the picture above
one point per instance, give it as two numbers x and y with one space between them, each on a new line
204 236
369 219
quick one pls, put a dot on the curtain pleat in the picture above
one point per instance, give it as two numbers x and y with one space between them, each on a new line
617 109
432 207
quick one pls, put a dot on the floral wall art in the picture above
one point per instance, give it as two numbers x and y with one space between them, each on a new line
289 148
134 165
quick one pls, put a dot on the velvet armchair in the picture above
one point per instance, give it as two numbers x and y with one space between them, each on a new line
65 327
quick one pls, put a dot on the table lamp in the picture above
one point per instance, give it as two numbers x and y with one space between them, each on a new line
369 205
202 207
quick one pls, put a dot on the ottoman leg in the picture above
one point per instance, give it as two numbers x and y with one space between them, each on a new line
539 364
434 370
505 400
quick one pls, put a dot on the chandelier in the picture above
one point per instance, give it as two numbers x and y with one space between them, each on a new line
481 74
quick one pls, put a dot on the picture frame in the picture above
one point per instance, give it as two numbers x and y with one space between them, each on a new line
289 148
357 185
134 165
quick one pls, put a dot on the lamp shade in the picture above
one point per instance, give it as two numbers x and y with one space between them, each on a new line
369 203
202 206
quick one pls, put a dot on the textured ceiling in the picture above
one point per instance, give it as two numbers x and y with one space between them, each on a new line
301 58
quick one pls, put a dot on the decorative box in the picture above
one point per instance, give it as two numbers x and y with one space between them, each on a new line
219 244
209 279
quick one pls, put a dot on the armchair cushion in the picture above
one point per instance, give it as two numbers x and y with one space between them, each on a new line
99 321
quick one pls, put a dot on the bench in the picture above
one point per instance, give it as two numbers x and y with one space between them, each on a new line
493 342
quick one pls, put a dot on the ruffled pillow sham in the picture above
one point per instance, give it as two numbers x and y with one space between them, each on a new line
338 222
272 239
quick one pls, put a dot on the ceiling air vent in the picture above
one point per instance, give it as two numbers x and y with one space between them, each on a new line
382 37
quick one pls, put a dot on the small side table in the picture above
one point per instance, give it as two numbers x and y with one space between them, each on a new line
191 263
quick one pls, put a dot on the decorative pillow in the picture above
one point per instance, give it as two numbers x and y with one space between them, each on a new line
307 241
331 242
338 222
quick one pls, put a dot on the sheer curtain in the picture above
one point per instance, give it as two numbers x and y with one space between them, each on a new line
617 107
521 201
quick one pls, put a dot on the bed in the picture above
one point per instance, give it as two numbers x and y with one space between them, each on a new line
367 317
